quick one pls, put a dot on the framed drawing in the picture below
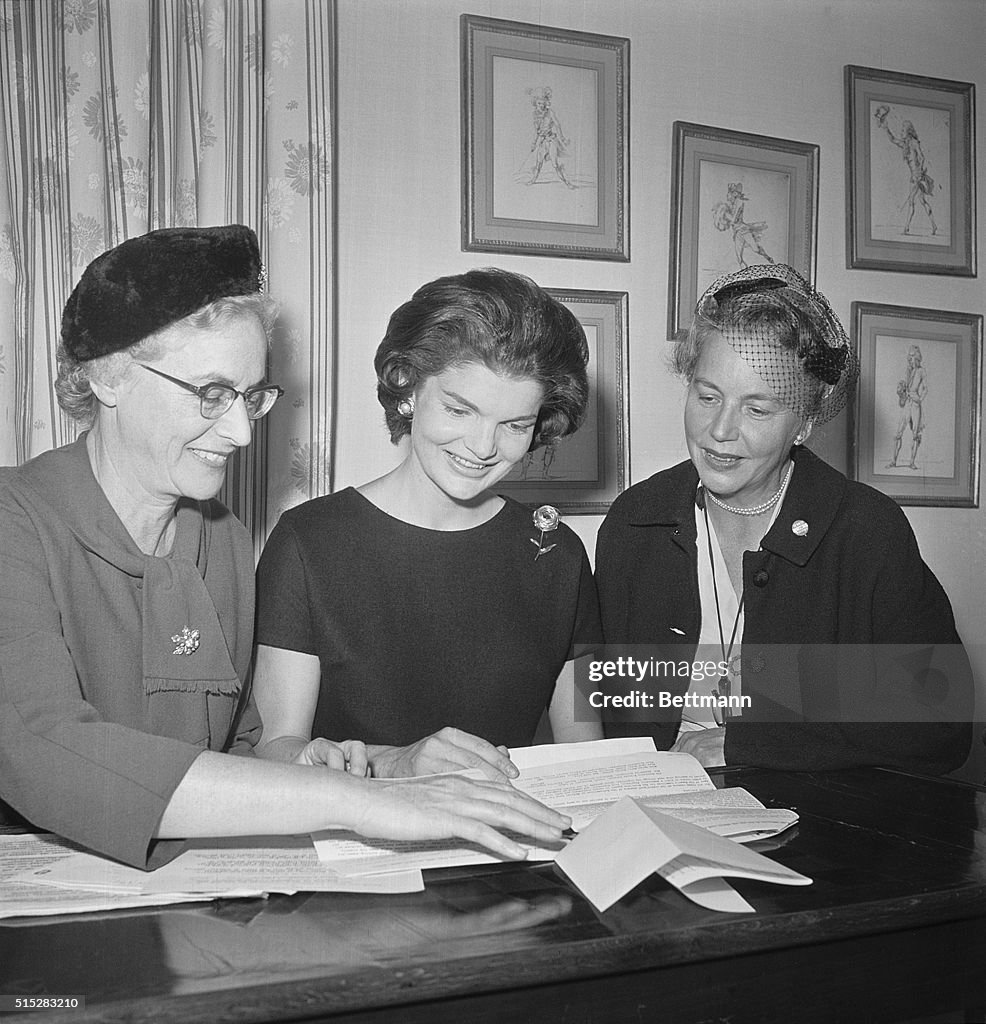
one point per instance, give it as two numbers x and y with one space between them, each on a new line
545 127
914 428
736 199
910 173
583 473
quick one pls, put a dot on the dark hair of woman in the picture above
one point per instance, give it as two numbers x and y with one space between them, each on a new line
500 320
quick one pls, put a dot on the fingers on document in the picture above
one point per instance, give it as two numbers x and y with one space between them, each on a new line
475 752
496 809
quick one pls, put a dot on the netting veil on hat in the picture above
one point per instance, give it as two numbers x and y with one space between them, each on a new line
788 333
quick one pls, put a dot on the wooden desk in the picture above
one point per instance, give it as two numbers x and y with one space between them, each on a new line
894 928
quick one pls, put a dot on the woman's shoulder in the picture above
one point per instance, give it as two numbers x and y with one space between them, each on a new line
869 511
220 520
656 497
516 524
11 483
519 517
820 475
56 487
334 510
330 527
873 512
50 471
515 552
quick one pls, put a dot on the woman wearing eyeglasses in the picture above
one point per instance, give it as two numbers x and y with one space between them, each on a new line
127 593
799 598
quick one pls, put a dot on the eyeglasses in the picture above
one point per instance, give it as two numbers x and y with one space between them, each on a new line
216 400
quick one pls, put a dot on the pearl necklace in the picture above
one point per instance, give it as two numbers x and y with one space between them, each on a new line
756 510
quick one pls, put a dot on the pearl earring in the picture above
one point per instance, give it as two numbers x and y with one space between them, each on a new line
406 408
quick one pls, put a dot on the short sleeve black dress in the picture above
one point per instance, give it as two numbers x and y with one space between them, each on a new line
416 629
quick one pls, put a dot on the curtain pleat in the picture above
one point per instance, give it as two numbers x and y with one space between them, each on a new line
119 117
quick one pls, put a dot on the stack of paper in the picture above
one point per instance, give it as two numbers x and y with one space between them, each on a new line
42 875
22 895
604 771
581 780
591 782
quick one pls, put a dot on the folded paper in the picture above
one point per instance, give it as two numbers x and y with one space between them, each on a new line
630 841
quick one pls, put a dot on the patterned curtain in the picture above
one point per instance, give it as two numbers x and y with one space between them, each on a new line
118 117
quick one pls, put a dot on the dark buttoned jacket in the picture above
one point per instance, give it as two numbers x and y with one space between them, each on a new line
850 652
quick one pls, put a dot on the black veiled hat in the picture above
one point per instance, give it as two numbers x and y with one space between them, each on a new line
750 307
150 281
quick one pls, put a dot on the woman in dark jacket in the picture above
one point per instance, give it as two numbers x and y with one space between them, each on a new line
849 648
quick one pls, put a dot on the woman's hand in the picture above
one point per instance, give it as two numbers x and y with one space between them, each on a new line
708 745
455 808
347 756
223 795
448 750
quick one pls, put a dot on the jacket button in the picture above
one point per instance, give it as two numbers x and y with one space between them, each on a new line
761 578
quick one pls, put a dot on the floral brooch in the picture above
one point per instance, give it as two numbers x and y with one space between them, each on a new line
186 642
546 519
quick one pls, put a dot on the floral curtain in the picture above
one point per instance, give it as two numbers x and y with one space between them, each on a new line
121 116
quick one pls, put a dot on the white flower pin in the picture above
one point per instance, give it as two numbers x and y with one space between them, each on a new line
546 519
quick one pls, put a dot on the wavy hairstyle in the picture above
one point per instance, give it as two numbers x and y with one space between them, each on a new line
498 319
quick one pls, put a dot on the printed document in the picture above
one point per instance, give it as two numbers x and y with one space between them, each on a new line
581 780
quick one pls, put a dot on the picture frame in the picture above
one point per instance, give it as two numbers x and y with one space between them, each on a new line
910 173
914 426
582 474
736 199
545 140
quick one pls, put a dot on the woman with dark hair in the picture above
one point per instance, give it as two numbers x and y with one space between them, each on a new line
416 601
849 649
127 589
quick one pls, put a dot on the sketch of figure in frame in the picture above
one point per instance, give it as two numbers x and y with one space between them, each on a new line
729 214
911 392
549 143
525 466
545 456
544 142
921 184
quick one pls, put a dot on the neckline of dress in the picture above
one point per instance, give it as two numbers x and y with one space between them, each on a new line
427 529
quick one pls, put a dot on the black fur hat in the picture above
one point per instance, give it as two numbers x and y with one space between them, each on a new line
148 282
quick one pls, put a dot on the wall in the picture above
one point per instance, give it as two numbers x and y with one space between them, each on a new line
771 67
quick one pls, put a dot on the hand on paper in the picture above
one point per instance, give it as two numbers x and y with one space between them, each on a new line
347 756
455 808
707 745
448 750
